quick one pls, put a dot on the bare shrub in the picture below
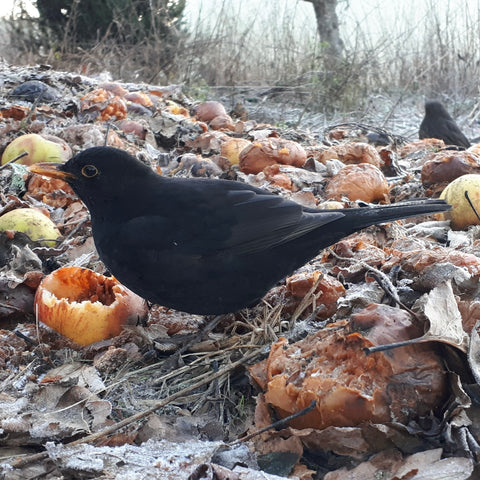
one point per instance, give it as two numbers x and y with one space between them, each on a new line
436 55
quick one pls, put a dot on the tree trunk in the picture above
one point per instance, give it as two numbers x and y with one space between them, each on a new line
327 26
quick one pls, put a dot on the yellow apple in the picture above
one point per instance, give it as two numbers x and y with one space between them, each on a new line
455 193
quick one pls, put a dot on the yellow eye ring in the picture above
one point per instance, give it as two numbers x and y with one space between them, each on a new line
89 171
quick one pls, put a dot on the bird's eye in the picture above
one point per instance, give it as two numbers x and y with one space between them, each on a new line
89 171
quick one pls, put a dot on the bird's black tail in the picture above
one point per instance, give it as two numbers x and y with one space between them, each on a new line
365 216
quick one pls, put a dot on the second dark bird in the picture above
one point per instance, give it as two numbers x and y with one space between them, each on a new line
437 123
203 246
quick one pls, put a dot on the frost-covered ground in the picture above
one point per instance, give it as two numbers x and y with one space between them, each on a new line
398 113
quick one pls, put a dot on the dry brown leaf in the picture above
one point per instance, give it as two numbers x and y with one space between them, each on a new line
444 317
445 322
426 465
473 353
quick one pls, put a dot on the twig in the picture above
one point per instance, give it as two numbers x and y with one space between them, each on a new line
389 289
18 157
138 416
472 115
391 346
10 307
80 224
280 423
309 299
467 196
172 362
105 142
406 88
25 338
383 281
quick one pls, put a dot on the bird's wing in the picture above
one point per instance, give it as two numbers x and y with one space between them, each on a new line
233 221
454 136
263 221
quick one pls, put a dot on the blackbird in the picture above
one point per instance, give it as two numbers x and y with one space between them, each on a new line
203 246
437 123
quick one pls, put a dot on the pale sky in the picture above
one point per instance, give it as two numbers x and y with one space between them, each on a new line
376 18
373 16
7 5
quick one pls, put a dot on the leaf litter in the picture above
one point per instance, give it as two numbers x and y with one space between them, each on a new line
172 398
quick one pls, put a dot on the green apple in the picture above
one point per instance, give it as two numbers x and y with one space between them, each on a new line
40 148
33 223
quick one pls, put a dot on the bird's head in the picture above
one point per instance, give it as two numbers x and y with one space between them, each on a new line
98 175
434 108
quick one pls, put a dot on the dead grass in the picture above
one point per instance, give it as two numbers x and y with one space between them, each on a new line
434 55
136 388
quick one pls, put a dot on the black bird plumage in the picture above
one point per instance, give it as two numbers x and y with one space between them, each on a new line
437 123
203 246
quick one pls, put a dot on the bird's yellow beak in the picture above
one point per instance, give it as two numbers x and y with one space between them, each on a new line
51 170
